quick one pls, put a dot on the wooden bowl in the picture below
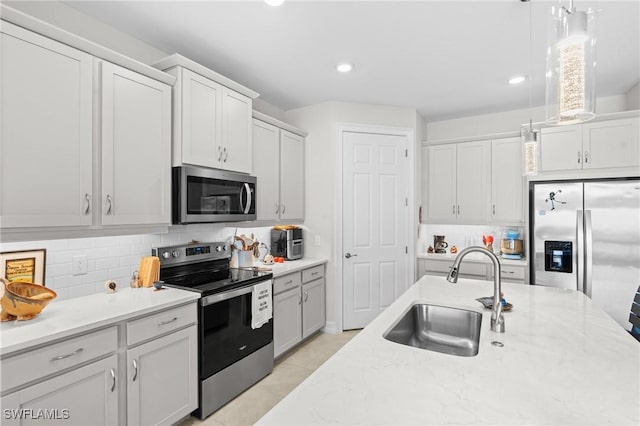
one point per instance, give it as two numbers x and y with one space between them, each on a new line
23 301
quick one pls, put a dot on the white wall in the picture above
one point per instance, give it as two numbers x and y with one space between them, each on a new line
322 121
633 97
507 121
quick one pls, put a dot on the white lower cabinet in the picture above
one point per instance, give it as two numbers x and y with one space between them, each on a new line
162 379
85 396
513 273
298 307
139 372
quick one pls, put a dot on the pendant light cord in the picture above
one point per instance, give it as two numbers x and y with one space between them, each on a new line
530 67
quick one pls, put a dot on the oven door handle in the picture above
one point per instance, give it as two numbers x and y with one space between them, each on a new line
215 298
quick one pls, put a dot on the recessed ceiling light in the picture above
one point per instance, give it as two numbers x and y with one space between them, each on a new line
274 2
344 67
517 79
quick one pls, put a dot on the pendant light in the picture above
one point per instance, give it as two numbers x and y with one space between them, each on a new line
571 66
528 135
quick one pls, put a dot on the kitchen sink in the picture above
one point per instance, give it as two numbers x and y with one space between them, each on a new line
438 328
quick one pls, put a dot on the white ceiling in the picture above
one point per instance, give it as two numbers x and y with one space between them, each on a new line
446 58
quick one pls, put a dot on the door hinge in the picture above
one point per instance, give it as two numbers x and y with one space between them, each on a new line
406 153
406 250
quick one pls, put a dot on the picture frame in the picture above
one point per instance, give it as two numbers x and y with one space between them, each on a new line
24 266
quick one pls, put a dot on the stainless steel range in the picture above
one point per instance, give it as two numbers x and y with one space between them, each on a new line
232 355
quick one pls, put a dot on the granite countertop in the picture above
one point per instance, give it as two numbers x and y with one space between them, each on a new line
62 318
471 257
564 361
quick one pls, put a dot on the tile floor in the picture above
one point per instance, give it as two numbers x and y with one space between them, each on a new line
288 372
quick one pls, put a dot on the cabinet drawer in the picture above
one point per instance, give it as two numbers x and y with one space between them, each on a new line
281 284
466 269
512 273
24 368
160 323
312 273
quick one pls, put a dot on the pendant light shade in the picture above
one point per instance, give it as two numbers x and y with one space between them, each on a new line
571 66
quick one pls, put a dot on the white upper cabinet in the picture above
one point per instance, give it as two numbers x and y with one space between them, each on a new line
457 182
609 144
266 167
211 117
45 150
202 135
136 148
506 181
278 163
291 176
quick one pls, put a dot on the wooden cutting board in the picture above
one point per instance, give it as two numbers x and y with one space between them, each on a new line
149 271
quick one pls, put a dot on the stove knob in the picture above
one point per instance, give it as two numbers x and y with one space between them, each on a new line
224 248
219 248
175 253
165 254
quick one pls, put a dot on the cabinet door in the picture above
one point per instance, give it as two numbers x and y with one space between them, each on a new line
46 131
86 396
287 320
614 143
266 167
313 307
291 176
236 131
201 120
472 180
162 378
441 181
561 148
136 148
506 180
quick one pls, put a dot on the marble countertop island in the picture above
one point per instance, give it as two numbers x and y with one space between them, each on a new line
564 361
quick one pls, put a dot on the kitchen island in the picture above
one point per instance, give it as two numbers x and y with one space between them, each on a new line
564 361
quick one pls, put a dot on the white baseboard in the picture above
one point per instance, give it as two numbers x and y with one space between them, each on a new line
331 328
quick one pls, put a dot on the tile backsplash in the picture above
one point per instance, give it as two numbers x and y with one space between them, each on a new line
116 257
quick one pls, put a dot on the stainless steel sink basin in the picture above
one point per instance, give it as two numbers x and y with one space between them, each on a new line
438 328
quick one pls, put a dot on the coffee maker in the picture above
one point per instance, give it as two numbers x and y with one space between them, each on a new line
439 244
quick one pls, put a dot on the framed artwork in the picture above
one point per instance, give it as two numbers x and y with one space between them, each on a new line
23 266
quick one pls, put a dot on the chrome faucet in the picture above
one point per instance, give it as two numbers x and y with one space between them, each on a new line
497 319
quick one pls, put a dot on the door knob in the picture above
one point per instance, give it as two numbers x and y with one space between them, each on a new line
349 255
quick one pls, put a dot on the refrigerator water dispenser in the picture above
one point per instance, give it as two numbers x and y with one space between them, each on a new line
558 256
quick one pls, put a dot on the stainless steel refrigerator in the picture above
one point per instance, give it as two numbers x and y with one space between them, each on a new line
585 235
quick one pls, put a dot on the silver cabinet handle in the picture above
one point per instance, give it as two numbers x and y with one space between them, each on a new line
454 209
109 204
288 282
508 272
313 274
219 153
349 255
174 319
277 208
306 296
458 208
226 154
135 370
579 157
494 209
586 157
87 198
59 357
283 208
299 299
113 377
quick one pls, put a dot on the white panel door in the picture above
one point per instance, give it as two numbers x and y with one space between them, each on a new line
201 120
266 168
291 176
374 224
441 183
236 131
46 131
136 148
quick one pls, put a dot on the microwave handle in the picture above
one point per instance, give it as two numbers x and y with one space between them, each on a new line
247 207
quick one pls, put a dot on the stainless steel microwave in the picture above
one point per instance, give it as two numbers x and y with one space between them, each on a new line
203 195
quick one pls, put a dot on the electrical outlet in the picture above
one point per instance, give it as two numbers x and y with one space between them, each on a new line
316 240
79 265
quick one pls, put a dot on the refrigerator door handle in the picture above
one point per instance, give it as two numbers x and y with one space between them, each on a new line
588 253
580 250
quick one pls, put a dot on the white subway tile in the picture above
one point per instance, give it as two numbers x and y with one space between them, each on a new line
58 270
